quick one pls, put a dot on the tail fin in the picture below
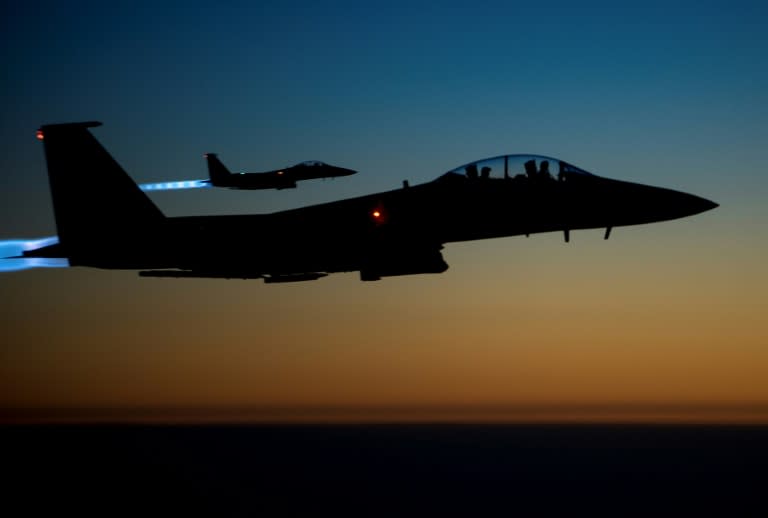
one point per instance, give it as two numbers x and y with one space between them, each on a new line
217 171
102 216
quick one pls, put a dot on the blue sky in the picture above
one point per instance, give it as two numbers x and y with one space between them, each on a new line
395 90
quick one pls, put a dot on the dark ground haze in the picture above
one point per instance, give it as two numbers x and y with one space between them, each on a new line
385 470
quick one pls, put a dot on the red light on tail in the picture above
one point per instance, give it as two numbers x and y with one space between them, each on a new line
39 135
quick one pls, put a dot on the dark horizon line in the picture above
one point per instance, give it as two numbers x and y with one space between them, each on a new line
746 413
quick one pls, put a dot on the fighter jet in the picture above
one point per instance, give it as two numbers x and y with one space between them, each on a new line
105 221
285 178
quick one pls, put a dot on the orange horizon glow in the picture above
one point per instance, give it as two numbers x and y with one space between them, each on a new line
538 336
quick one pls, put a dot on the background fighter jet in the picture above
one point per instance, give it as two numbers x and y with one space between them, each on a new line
105 221
286 178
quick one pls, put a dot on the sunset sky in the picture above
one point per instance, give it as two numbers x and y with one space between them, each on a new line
661 322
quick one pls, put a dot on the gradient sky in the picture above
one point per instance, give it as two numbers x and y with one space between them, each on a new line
663 316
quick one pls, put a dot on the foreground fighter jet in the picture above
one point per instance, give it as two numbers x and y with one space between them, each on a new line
105 221
286 178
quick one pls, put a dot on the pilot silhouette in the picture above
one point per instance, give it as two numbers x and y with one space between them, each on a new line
485 172
530 169
471 171
544 170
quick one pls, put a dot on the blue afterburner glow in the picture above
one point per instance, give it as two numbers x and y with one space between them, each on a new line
14 247
14 265
170 186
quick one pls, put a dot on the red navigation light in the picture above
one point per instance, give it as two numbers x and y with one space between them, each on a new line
39 135
378 215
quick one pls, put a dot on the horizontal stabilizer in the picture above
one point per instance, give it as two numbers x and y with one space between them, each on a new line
54 250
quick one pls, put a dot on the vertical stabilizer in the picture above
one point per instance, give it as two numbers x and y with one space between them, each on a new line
102 217
219 174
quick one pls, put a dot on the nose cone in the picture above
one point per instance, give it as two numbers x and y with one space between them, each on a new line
668 204
636 203
708 205
342 171
690 204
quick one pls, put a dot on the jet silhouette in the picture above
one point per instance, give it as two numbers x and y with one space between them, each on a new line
285 178
105 221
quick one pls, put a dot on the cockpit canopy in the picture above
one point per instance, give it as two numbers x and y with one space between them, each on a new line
534 167
312 163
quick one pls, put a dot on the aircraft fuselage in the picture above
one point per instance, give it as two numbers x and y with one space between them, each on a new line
345 235
104 220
